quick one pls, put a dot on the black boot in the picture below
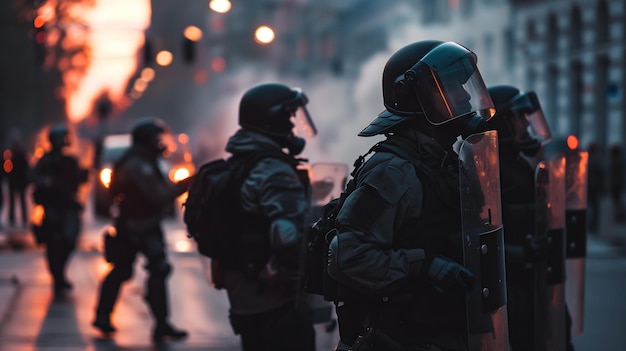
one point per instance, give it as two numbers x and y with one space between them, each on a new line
104 324
166 330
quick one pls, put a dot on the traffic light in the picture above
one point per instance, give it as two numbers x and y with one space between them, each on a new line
39 42
189 51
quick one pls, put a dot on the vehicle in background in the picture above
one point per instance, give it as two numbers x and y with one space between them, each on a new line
176 164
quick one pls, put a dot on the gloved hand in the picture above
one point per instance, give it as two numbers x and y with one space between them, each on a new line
447 275
536 248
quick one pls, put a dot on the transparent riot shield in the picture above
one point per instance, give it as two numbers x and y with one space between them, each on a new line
328 180
483 242
549 289
576 226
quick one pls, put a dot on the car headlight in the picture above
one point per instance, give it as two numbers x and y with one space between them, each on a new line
105 177
179 173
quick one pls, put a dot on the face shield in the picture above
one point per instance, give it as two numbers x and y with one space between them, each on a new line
528 121
449 85
303 125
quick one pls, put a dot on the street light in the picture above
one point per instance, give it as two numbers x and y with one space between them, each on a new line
264 35
220 6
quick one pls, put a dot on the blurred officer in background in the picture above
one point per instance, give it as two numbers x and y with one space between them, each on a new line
142 194
263 288
398 253
56 179
18 178
522 134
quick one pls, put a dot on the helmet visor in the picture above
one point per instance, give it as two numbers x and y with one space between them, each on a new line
526 107
303 124
300 117
449 85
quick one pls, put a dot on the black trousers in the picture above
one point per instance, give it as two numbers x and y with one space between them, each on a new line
57 254
282 329
123 263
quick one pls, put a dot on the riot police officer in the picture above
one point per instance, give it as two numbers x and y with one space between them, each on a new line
397 256
517 149
56 178
142 194
262 286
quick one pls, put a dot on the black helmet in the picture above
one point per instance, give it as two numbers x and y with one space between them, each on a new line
268 108
147 132
435 80
59 137
519 119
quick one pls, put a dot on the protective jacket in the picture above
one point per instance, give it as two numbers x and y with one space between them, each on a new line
144 191
404 210
274 190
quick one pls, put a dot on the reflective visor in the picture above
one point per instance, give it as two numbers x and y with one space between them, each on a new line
301 118
527 106
303 123
449 85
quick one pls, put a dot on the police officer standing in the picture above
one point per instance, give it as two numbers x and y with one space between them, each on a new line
398 256
263 287
56 178
523 249
142 193
522 134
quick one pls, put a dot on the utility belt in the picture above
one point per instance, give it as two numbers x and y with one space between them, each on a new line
395 323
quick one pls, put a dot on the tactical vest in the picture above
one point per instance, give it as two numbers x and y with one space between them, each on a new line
132 203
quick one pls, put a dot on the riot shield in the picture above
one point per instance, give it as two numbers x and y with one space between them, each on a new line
576 227
549 289
483 242
328 180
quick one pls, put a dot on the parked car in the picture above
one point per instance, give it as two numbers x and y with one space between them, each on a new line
176 164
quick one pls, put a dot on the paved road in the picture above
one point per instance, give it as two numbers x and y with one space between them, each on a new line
30 319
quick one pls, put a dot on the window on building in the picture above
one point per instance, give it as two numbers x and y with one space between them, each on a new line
509 48
602 23
575 29
552 34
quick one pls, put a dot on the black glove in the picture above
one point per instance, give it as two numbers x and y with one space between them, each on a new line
447 275
536 248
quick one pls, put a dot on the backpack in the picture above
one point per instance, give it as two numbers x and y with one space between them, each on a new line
213 207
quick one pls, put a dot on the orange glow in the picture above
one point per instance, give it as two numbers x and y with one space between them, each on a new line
572 142
39 22
218 64
147 74
140 85
201 76
112 32
164 58
7 166
183 138
37 216
193 33
7 154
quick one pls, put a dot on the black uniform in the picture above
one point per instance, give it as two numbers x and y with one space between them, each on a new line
56 178
521 132
264 306
396 256
142 193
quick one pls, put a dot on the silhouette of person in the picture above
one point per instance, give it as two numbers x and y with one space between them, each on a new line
595 186
56 178
18 181
616 181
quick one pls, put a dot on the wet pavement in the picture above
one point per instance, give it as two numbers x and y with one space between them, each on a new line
31 318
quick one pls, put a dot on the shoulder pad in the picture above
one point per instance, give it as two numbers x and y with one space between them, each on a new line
391 179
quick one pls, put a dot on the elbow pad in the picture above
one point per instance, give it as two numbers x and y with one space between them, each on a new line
332 262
